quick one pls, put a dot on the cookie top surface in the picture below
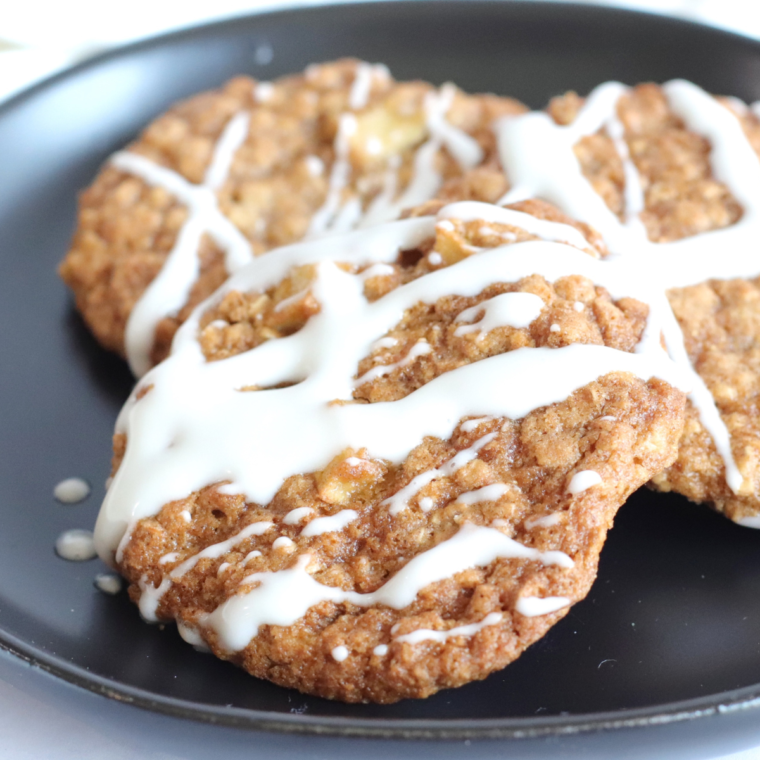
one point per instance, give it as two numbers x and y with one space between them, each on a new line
384 463
233 173
670 176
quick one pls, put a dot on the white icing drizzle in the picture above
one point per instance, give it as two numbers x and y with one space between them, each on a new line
505 310
169 291
290 300
486 493
426 179
282 597
470 425
374 146
167 454
555 232
435 258
315 166
251 555
579 306
362 86
426 634
330 524
553 172
547 521
380 650
219 549
167 457
378 270
633 193
108 583
339 653
150 597
263 91
72 490
382 208
186 516
400 500
192 636
75 545
122 545
153 595
420 348
295 516
384 343
283 542
333 216
533 606
538 157
583 480
502 235
323 220
749 522
232 138
464 149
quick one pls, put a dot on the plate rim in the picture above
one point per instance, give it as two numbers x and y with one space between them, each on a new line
733 701
743 699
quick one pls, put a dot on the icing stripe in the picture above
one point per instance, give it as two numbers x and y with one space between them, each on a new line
425 634
169 291
167 456
282 597
537 155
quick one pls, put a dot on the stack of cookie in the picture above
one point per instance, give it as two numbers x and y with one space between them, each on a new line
382 459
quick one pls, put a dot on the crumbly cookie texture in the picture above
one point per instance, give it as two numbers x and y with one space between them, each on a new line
243 321
720 319
681 196
278 179
721 325
620 427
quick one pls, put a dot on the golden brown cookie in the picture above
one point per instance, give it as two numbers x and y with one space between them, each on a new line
382 466
339 146
678 169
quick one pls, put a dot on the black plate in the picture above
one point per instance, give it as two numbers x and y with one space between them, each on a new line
671 629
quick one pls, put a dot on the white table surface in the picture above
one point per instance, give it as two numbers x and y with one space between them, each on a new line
40 715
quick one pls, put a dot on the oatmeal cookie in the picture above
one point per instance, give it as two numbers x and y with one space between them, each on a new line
230 174
678 173
384 464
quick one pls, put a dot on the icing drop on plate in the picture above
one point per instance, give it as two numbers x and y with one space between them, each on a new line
76 545
72 490
108 583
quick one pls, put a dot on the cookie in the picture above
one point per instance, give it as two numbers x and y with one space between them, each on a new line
384 463
230 174
670 177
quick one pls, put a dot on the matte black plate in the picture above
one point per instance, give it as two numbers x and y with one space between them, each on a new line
671 628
